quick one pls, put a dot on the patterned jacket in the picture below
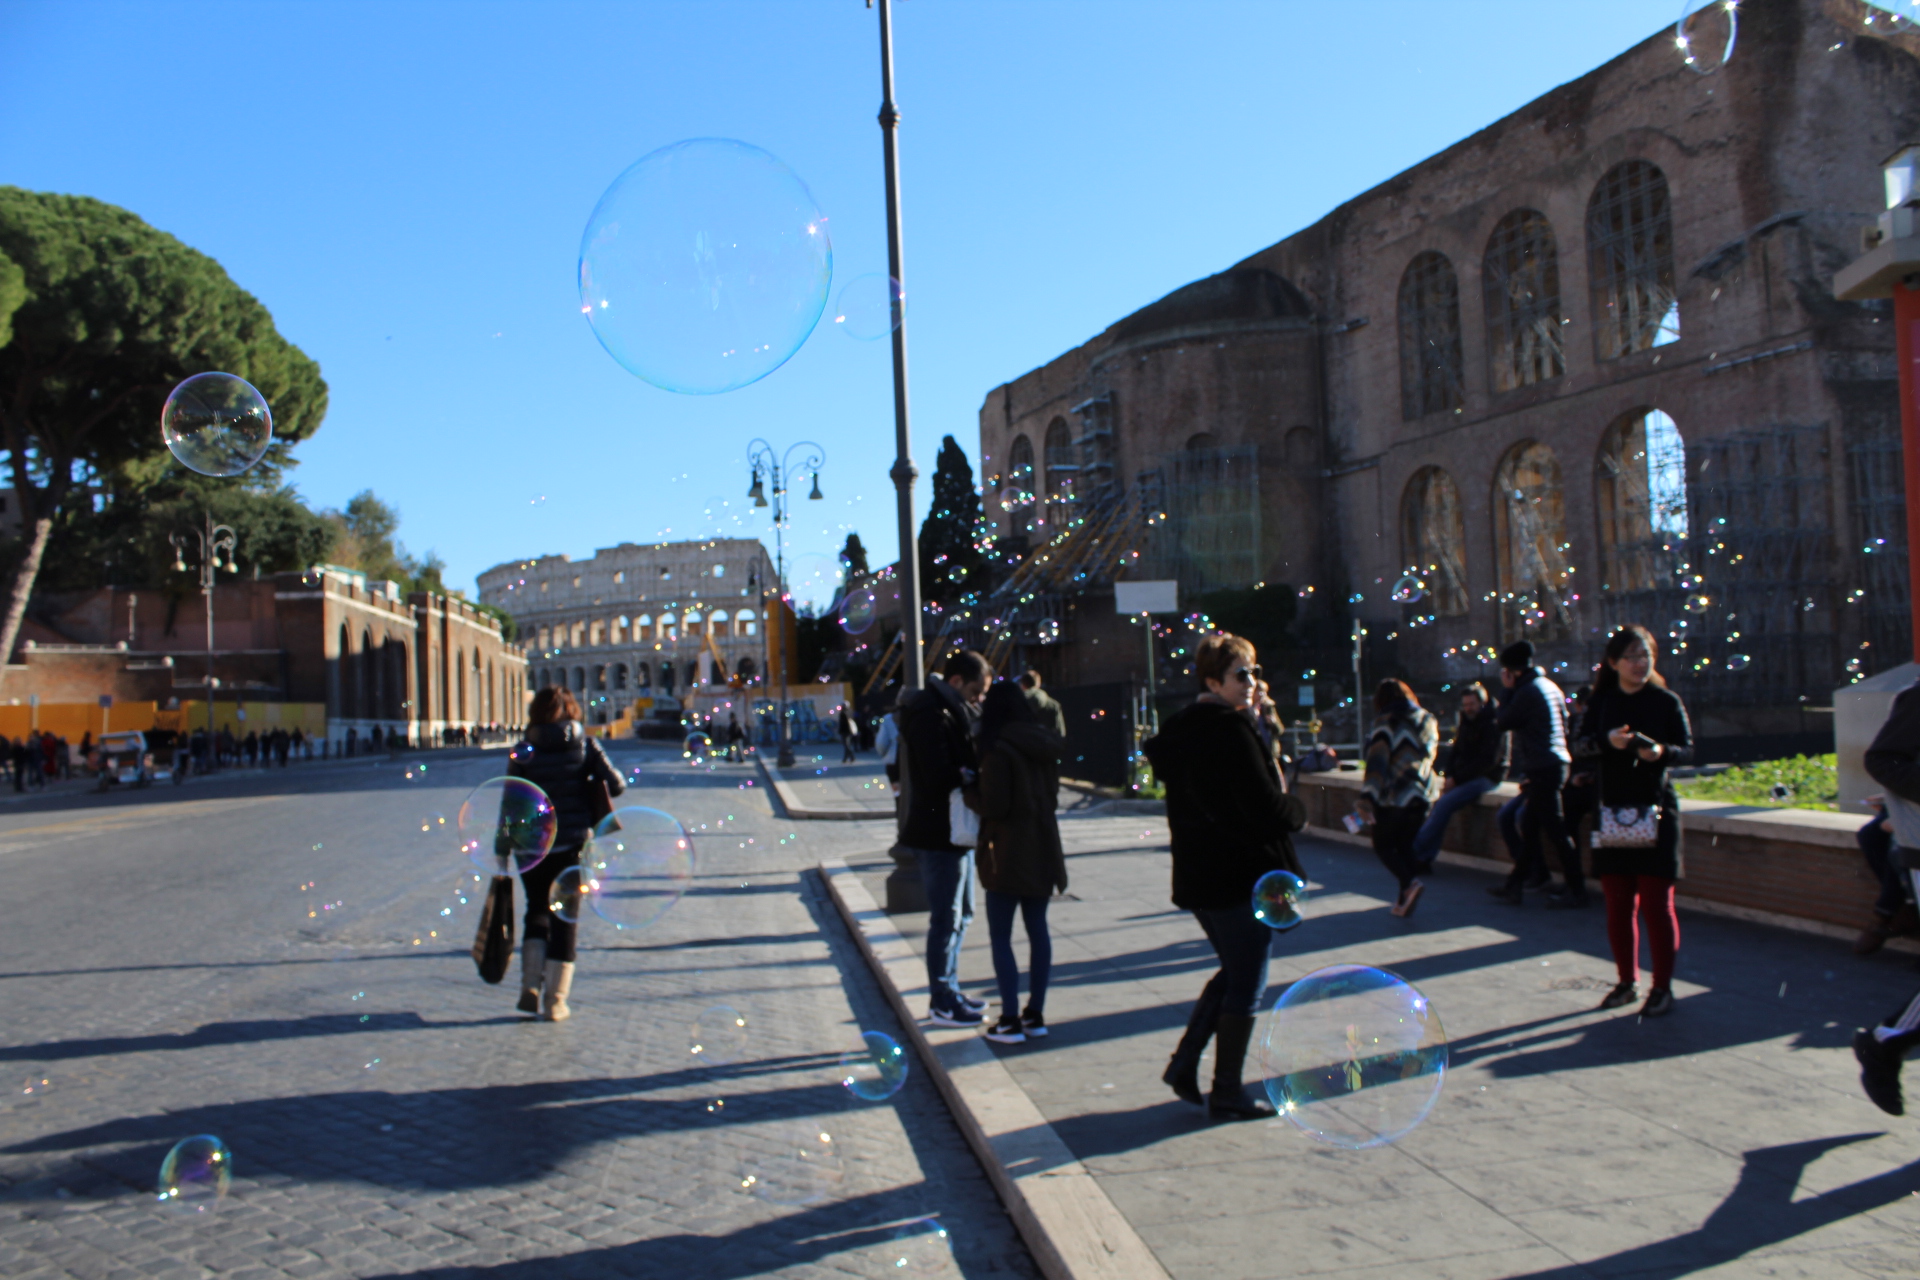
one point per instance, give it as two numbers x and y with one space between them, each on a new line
1400 754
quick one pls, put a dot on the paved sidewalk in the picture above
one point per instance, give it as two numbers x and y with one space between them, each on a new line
817 786
1728 1140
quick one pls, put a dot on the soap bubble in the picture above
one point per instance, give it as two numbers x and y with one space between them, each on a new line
1354 1056
1047 631
1888 17
1739 662
1409 589
434 826
216 424
921 1247
638 863
1277 896
567 892
506 825
30 1088
705 266
1706 33
796 1164
876 1070
718 1036
696 746
858 611
871 306
195 1174
1699 603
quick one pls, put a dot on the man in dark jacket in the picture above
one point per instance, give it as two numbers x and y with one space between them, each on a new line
1043 705
1893 761
1534 711
937 752
1475 765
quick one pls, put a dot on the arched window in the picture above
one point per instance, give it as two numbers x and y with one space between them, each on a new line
690 624
545 640
744 620
1201 440
1530 544
342 675
1433 540
1640 497
643 628
666 678
1018 494
1062 468
669 627
620 625
1630 261
540 680
459 686
596 633
579 679
619 675
1520 278
579 634
746 668
717 620
600 678
363 677
1430 365
643 675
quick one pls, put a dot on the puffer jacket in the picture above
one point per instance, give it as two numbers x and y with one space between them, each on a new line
1231 818
1020 849
564 762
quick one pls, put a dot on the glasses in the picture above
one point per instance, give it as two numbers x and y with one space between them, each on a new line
1247 675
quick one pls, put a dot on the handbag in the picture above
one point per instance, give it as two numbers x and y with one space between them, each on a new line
493 944
1627 827
962 822
600 803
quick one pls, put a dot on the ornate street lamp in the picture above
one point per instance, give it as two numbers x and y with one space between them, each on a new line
212 541
769 467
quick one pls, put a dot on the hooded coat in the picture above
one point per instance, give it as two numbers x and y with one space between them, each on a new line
1020 850
1231 819
564 762
936 755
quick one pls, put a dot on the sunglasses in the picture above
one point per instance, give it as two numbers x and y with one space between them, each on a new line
1247 675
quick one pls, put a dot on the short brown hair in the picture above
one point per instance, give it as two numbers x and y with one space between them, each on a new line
552 704
1219 654
966 666
1030 679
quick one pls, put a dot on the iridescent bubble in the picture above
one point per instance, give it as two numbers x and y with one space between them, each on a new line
1699 603
1705 34
1888 17
921 1247
1277 896
1739 662
718 1036
1047 631
433 825
1409 589
797 1163
638 863
216 424
506 825
567 893
1354 1056
696 747
30 1088
858 610
871 306
876 1070
705 266
195 1175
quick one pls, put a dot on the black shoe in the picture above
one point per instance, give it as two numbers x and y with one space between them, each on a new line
1880 1071
1006 1031
968 1002
1184 1079
1659 1003
1033 1022
1623 994
1230 1099
1238 1105
1566 901
1507 893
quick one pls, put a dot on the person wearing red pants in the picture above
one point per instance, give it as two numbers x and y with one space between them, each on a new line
1637 728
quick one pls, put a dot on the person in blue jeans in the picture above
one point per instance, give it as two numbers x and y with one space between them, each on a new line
936 745
1021 862
1475 764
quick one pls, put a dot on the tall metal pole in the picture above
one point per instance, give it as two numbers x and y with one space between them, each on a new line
913 669
214 539
785 758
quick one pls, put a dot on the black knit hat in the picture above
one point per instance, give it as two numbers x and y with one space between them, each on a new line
1517 656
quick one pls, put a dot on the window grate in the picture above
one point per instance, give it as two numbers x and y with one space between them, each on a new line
1430 363
1521 279
1630 250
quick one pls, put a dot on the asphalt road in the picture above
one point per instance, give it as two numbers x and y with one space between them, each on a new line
281 959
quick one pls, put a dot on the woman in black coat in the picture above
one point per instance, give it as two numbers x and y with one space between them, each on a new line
560 759
1231 819
1637 728
1020 860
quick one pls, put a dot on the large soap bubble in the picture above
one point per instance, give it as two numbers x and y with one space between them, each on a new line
216 424
858 610
1277 896
1706 33
1355 1056
195 1175
705 266
876 1070
870 307
796 1163
506 825
638 864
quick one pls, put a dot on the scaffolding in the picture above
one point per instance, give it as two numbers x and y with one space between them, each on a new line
1209 539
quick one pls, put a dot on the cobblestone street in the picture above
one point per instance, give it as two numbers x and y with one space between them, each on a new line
264 957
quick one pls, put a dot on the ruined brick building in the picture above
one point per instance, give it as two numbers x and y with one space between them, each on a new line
1582 367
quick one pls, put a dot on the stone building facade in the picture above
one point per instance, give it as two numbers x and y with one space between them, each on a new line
413 666
644 622
1580 368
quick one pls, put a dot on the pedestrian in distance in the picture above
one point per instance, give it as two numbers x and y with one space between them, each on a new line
886 745
1400 783
1045 709
1636 729
1893 761
1021 861
1476 762
1534 712
938 760
1231 818
570 767
849 735
736 738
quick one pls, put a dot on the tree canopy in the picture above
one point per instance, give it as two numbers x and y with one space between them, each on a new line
853 556
950 560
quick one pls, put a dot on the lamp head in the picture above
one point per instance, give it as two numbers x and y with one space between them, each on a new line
758 492
815 495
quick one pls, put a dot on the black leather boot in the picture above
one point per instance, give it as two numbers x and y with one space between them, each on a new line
1183 1068
1230 1099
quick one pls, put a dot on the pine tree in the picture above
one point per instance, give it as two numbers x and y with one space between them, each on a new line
950 562
853 557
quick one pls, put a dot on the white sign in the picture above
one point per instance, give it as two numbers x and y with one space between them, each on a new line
1162 596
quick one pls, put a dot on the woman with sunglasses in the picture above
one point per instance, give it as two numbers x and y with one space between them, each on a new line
1230 817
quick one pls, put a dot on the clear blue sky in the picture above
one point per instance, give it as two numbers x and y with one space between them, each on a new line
404 186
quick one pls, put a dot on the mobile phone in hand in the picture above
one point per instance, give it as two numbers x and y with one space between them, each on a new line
1642 741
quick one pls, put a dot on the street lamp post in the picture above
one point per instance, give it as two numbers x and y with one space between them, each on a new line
772 468
213 539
